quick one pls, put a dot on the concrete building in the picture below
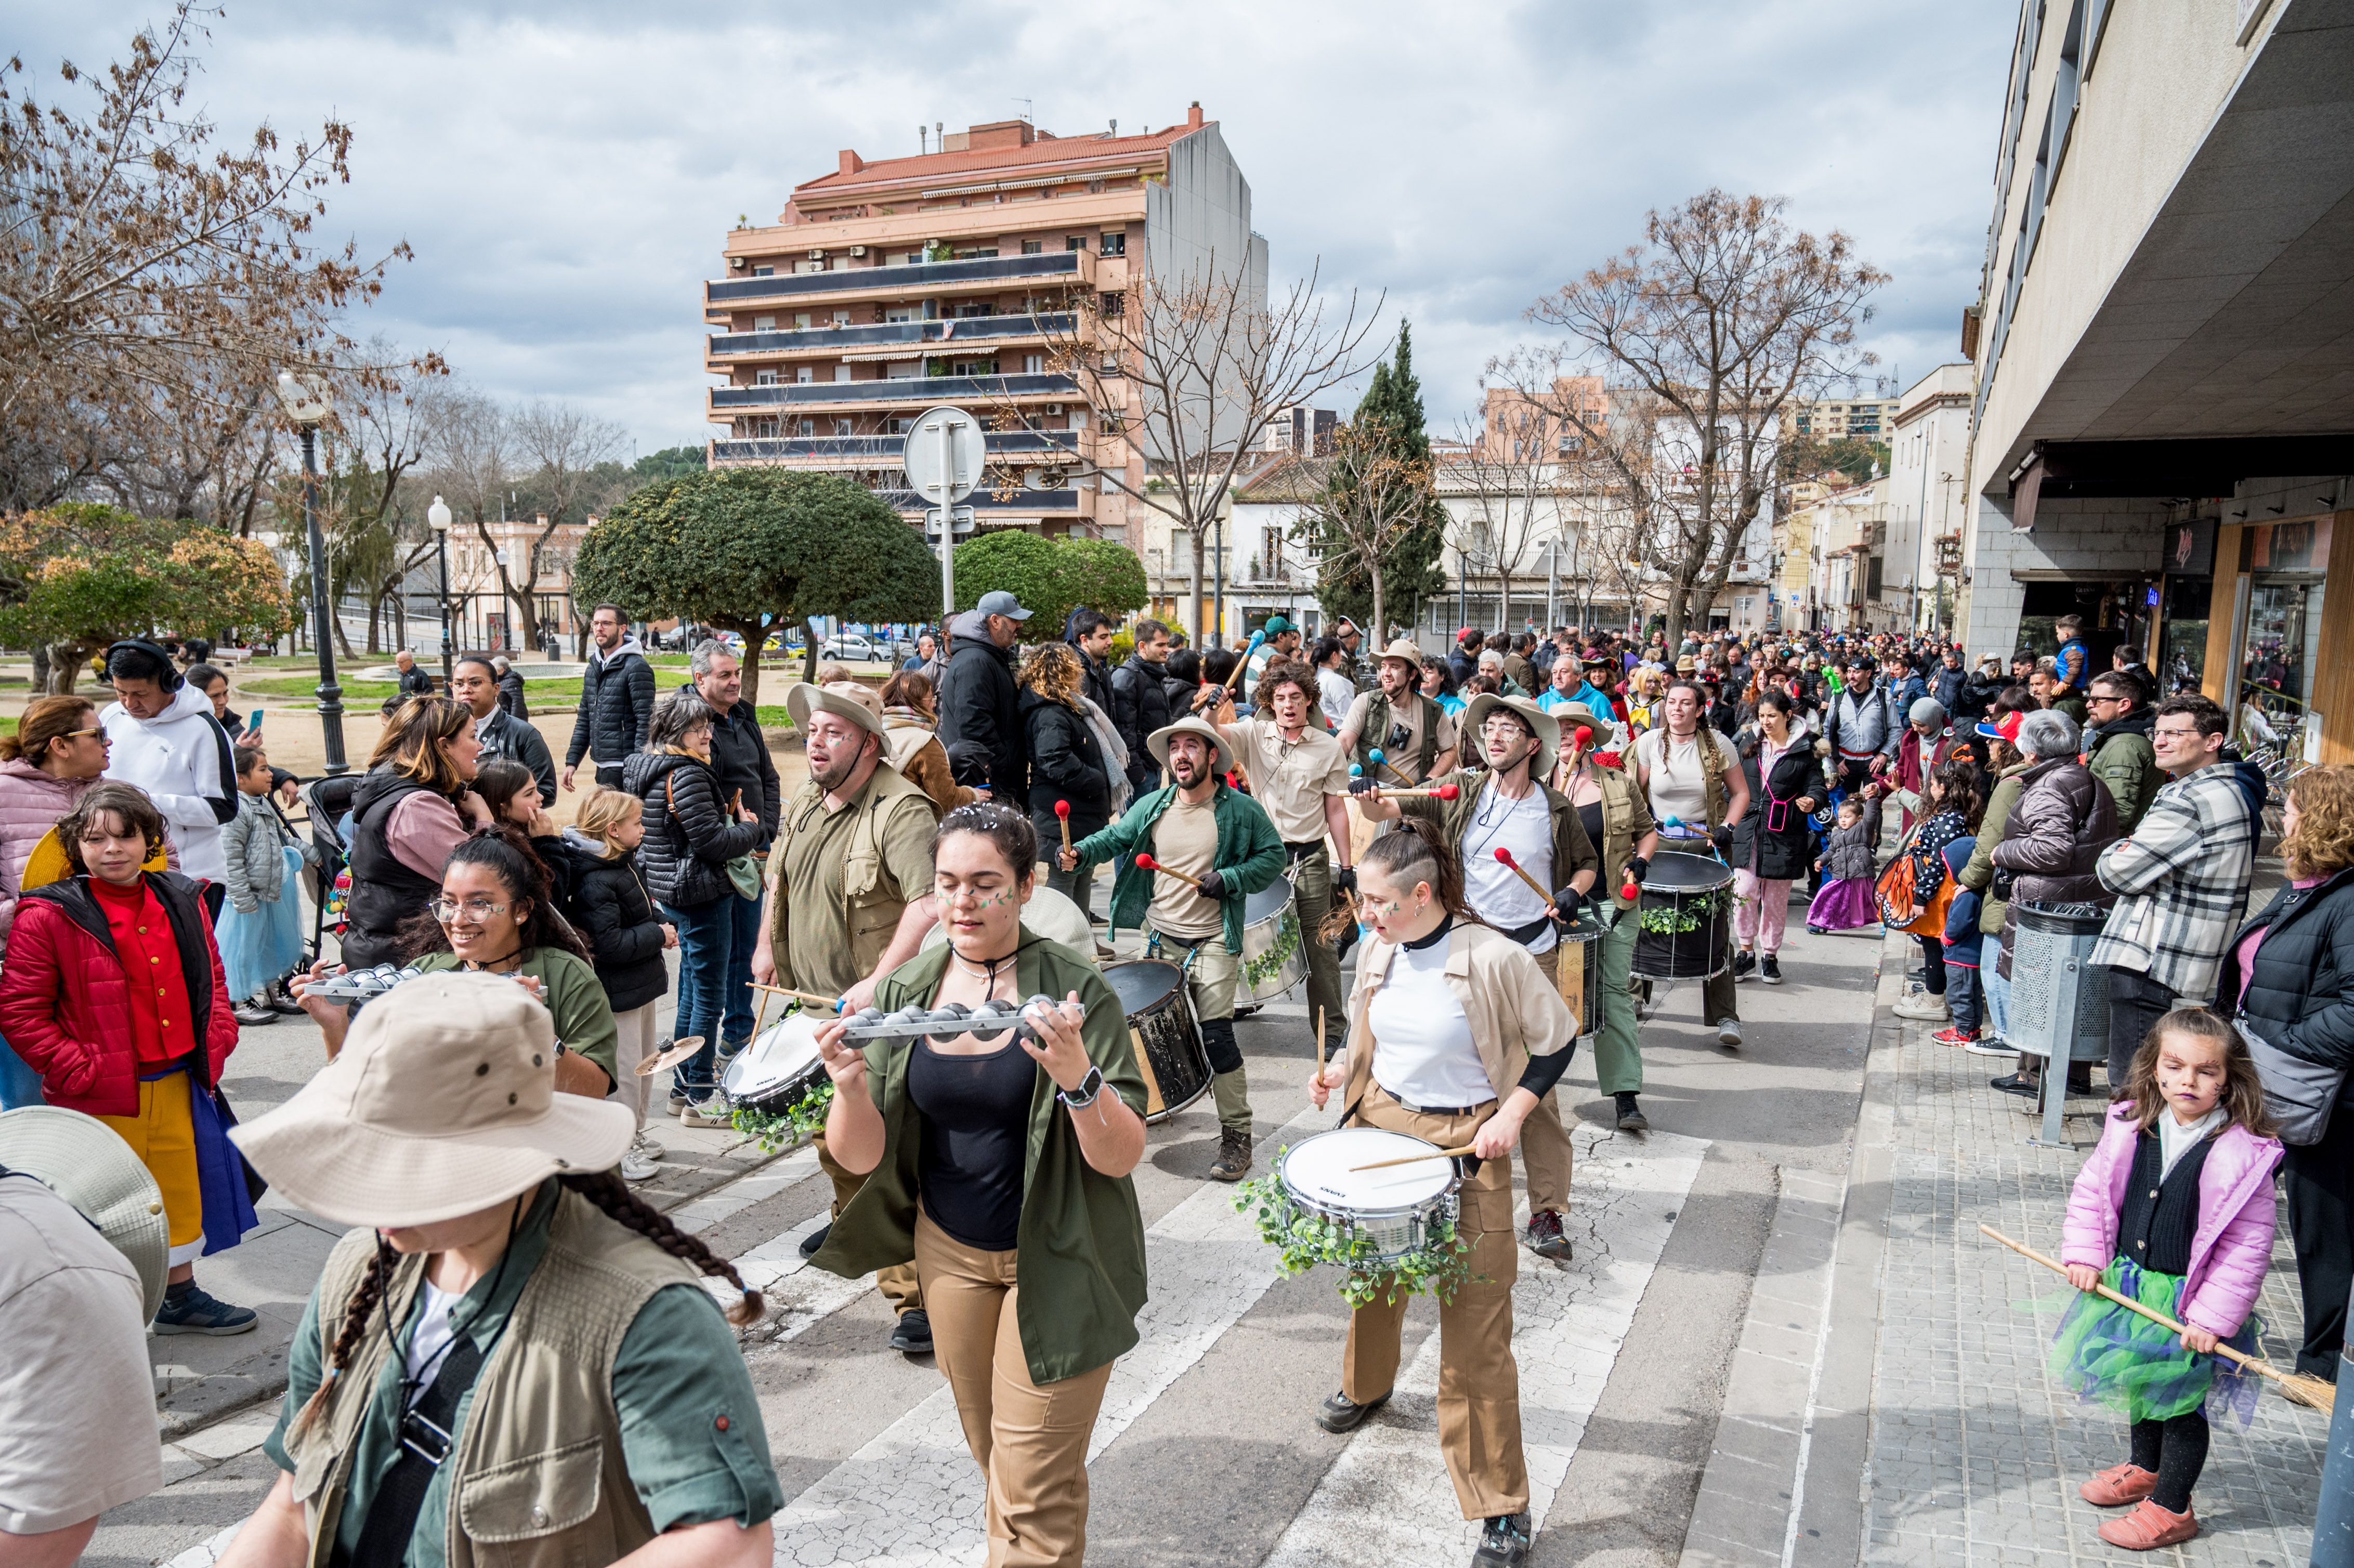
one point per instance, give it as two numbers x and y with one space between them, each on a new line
1929 449
2164 351
885 287
1838 419
1519 429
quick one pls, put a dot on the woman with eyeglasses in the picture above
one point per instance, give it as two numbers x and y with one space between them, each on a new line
56 753
495 913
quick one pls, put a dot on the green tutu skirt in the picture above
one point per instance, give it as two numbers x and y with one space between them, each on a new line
2122 1360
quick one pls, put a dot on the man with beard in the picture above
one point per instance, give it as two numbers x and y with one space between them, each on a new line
850 897
1862 727
1413 734
1510 807
1213 847
617 701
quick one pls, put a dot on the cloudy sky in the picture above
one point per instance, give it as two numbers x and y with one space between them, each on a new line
567 172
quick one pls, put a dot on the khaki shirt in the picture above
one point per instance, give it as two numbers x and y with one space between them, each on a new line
1185 840
822 943
1515 1013
1407 715
1290 780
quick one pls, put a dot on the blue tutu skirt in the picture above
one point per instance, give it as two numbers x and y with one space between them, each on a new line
2118 1358
263 946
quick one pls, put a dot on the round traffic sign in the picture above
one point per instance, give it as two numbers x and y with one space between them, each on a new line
944 454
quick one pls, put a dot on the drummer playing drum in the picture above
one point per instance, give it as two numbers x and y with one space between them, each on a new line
1213 847
1454 1036
1510 807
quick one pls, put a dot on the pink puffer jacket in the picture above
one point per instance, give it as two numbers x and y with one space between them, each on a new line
31 802
2232 1248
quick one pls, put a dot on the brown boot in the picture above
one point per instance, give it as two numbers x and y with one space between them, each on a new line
1233 1161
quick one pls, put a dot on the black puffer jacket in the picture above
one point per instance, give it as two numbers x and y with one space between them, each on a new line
2065 819
1066 764
739 756
691 835
2301 996
383 892
1778 837
617 704
618 922
1139 705
978 705
510 698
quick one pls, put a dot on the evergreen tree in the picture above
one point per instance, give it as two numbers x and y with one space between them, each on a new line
1392 407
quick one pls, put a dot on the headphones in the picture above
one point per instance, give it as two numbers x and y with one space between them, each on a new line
171 679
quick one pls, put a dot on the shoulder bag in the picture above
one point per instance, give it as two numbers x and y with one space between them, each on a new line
2299 1094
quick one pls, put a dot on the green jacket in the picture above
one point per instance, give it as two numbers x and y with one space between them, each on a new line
1080 1249
2128 764
1250 856
1978 874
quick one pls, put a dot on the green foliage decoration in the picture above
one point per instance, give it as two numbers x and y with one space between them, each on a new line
1303 1240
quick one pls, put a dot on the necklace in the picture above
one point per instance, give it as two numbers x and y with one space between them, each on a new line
987 968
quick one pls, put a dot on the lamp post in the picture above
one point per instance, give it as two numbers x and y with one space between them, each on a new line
308 409
438 515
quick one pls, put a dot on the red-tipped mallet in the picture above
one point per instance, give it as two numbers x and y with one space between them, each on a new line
1436 792
1063 811
1147 862
1504 857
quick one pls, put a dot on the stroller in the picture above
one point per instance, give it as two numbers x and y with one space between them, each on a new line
328 803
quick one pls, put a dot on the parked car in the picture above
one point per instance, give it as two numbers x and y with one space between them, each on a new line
851 648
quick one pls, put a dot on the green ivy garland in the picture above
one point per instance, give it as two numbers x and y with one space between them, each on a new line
1257 971
784 1128
1305 1240
1675 920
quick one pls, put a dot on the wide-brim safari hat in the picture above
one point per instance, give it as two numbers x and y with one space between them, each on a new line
442 1102
1547 727
1403 650
1221 759
86 1162
801 699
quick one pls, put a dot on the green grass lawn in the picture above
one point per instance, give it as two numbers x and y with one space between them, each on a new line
377 691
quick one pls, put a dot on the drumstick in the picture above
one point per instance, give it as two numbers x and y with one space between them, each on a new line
1319 1045
1412 1159
1436 792
1258 640
1505 857
831 1003
1063 811
1148 863
1381 761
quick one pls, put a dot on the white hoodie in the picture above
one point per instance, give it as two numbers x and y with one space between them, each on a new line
182 758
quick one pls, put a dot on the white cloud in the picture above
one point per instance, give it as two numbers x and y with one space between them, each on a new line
567 173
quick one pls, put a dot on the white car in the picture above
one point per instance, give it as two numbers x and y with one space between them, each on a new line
851 648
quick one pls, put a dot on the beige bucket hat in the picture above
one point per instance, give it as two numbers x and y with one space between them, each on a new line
1221 759
803 699
1546 727
1403 649
442 1103
86 1162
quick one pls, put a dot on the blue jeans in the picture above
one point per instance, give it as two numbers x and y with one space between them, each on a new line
743 935
19 1084
703 938
1997 991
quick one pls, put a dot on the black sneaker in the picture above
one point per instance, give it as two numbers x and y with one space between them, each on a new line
1770 970
1743 962
1630 1114
1545 1239
815 1239
1504 1543
253 1013
1233 1161
912 1335
1341 1414
190 1309
2020 1084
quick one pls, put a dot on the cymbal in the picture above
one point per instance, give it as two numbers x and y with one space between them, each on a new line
680 1050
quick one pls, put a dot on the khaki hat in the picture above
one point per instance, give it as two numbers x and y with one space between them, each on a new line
1403 649
1221 759
442 1103
1547 727
801 699
1569 716
86 1162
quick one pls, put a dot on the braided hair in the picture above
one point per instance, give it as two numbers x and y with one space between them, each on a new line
611 1193
357 1313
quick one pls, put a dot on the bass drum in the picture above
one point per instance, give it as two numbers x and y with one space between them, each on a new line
1685 918
1274 960
1168 1038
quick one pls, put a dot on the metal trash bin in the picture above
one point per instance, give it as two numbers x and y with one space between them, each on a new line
2059 998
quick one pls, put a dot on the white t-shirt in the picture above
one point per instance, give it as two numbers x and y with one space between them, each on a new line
1495 890
430 1343
1335 693
1677 785
1423 1050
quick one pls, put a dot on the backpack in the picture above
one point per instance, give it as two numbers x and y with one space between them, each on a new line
1898 895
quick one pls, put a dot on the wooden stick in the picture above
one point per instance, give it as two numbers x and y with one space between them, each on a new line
828 1002
1319 1043
1258 640
2304 1389
1412 1159
1381 760
1435 791
1535 885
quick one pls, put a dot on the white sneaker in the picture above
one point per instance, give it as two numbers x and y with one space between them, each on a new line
1923 1007
1728 1033
638 1163
1989 1044
712 1112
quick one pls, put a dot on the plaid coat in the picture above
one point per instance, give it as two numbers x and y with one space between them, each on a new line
2182 880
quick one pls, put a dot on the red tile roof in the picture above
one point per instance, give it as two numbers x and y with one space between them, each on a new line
1048 151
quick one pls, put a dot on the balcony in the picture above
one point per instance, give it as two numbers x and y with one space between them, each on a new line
1076 268
871 452
830 341
896 391
1065 501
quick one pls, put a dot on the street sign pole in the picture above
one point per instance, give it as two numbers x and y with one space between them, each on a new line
947 527
943 471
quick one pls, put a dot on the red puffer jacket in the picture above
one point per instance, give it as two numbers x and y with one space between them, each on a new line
65 1002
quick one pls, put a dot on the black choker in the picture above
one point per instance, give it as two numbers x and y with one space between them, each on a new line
1419 943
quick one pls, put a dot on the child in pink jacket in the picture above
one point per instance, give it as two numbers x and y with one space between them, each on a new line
2174 1210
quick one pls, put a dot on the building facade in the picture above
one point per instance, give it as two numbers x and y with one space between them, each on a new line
1928 451
1828 419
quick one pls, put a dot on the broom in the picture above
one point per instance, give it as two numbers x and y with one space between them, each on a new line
2313 1393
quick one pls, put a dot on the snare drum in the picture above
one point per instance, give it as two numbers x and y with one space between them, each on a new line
778 1067
1579 967
1273 958
1684 918
1168 1038
1393 1211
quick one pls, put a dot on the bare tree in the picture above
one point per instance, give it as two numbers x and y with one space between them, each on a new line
1508 507
558 448
1187 370
1718 320
1372 496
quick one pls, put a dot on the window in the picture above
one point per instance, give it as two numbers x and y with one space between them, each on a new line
1034 363
900 314
844 426
800 321
973 368
764 378
808 427
1114 304
841 318
841 372
1075 242
764 271
765 428
983 308
1032 247
903 370
913 258
763 323
899 424
979 253
1115 243
804 374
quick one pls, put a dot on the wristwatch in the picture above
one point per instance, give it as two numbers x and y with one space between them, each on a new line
1089 1087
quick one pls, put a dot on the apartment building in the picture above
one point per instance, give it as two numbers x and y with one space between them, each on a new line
2163 349
1829 420
1929 449
887 287
1516 428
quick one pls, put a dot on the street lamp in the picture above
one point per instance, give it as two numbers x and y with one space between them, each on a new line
308 409
438 514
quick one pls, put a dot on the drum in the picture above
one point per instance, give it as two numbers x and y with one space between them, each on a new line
1580 969
1391 1212
1167 1037
1684 919
1273 958
778 1067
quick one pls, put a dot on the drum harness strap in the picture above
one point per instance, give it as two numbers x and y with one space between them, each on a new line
1153 950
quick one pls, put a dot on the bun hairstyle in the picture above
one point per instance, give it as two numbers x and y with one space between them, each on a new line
1417 851
1001 825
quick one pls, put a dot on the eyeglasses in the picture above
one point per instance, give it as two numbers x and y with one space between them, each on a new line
448 909
78 734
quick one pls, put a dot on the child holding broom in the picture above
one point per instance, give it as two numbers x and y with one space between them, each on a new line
2174 1210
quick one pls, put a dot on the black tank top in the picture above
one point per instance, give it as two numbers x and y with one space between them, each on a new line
976 1139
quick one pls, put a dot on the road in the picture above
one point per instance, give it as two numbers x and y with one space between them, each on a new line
1206 1451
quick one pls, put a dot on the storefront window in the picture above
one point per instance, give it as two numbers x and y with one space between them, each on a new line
2277 665
2183 659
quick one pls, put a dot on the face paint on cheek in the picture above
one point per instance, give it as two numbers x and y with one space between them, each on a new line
992 900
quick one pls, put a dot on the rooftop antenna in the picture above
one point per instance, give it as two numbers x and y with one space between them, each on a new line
941 133
1115 128
924 137
1025 104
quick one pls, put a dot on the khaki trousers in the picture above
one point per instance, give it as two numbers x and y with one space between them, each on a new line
1544 1142
1312 900
1030 1440
897 1283
1478 1381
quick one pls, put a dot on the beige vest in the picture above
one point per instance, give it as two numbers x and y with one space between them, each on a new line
873 900
539 1479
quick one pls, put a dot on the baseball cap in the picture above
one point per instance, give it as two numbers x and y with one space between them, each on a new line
1000 602
1277 626
2005 728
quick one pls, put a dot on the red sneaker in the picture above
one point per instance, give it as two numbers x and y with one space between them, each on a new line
2149 1527
1952 1035
2116 1485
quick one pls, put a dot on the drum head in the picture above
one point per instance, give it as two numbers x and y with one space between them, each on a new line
1322 1170
784 1052
1142 983
1269 900
1672 871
